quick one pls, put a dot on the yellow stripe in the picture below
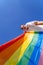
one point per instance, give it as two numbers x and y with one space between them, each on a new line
14 58
26 44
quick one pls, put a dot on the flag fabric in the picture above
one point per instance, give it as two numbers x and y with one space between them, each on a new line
26 49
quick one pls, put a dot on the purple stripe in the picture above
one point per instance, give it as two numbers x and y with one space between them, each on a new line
41 58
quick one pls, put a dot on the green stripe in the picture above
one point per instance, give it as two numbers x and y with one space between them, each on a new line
26 57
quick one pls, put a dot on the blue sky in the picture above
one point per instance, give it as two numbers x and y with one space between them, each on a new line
13 13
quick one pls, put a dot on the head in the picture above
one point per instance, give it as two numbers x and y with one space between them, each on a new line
36 23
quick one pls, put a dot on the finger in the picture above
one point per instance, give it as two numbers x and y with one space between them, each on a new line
22 26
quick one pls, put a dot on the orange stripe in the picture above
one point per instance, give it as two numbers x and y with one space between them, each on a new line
5 54
6 45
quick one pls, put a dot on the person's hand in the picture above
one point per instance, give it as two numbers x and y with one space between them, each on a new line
23 27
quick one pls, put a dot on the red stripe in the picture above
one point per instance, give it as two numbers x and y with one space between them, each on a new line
6 45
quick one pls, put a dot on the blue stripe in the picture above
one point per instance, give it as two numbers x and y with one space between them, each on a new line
36 53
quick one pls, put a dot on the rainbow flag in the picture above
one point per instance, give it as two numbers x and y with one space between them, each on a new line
26 49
